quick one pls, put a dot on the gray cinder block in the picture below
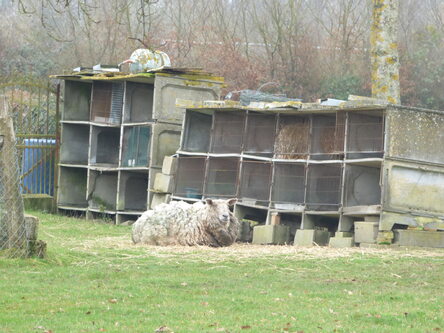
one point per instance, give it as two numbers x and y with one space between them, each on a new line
271 234
164 183
366 232
419 238
342 234
159 198
311 237
169 165
340 242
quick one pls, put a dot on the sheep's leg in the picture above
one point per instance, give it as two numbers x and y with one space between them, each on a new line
222 237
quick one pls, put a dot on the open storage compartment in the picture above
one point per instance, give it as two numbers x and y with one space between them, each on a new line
74 144
133 191
362 185
102 190
228 132
196 136
288 190
222 177
105 146
327 136
260 134
322 221
107 102
77 101
136 146
365 136
292 138
138 102
190 177
256 215
104 217
324 187
293 220
72 187
255 182
127 218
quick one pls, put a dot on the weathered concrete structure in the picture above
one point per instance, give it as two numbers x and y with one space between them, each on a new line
318 167
116 130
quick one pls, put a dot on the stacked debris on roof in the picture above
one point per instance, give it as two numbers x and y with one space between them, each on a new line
247 96
357 102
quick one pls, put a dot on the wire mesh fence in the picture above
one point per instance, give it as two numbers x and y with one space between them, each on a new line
33 106
13 233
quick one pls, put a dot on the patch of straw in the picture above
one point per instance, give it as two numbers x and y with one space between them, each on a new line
241 252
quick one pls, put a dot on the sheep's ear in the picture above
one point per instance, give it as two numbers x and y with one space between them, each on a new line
231 202
209 201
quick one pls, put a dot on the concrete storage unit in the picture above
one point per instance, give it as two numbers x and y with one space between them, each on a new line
116 130
328 165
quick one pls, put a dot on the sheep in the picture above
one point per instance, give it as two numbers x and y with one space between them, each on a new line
179 223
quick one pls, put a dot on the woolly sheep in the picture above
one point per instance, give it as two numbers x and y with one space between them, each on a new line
179 223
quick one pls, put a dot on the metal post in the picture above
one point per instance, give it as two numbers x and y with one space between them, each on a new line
57 149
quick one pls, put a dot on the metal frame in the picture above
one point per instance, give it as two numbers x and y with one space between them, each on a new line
398 150
162 118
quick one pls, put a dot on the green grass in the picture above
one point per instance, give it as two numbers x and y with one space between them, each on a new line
95 280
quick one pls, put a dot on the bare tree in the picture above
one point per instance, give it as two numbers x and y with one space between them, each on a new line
302 45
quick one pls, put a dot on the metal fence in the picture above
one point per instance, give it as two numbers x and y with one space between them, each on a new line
34 108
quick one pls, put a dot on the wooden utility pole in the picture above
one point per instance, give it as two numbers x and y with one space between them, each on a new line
384 51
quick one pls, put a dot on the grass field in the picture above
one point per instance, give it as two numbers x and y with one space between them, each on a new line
95 280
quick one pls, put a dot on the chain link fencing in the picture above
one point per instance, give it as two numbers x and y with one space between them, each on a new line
14 235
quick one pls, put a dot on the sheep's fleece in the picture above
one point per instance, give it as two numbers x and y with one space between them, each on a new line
207 223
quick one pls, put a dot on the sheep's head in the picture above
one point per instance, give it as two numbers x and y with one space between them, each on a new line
221 209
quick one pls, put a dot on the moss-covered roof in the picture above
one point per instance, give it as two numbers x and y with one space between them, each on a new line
191 74
290 107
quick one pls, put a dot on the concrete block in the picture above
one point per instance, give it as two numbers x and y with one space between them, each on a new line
31 227
164 183
310 237
340 242
371 218
169 166
40 202
341 234
385 237
159 198
271 234
366 232
419 238
386 234
375 246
